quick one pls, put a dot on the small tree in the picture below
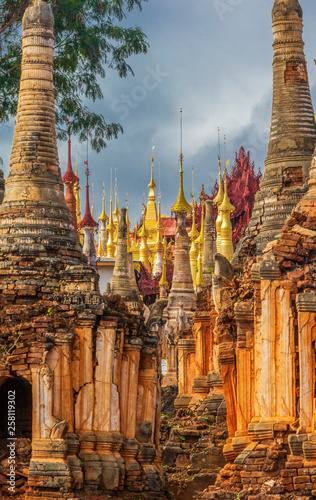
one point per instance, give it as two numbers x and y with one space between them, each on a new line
88 39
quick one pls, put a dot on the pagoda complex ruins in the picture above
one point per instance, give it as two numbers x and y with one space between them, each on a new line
232 325
83 369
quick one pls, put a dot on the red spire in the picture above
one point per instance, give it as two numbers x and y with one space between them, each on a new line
69 175
88 220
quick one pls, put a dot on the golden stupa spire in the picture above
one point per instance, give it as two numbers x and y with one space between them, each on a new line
128 223
220 195
201 237
103 216
151 214
116 211
181 205
194 233
160 226
199 277
111 228
152 185
135 246
218 201
103 219
144 250
226 208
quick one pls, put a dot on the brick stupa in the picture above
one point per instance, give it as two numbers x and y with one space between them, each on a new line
78 367
292 132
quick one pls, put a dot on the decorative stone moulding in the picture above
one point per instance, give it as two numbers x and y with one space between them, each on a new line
229 452
214 379
269 268
200 384
306 302
296 442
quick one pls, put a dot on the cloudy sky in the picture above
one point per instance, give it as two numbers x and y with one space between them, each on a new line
213 58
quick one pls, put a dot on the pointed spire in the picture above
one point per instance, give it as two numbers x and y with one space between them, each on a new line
88 220
199 277
70 179
152 185
69 175
135 246
102 250
227 248
77 190
116 211
128 223
144 250
103 215
181 205
220 195
194 233
111 228
226 204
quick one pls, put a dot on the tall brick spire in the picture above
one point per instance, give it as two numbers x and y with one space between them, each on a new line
34 216
293 130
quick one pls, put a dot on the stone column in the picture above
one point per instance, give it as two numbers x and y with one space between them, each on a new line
116 399
306 308
105 342
245 373
186 372
146 416
129 387
59 361
84 404
269 274
200 327
275 386
48 466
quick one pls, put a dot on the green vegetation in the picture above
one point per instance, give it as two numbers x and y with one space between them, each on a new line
89 37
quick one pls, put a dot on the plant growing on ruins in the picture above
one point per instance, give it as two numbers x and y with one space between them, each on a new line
89 37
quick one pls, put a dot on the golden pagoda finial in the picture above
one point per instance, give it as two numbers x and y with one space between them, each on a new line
220 195
199 277
152 185
163 280
144 250
128 223
194 233
201 237
135 246
226 204
111 228
103 219
103 215
181 205
226 208
116 211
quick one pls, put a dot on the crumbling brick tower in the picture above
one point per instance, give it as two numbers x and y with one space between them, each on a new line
78 365
292 132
